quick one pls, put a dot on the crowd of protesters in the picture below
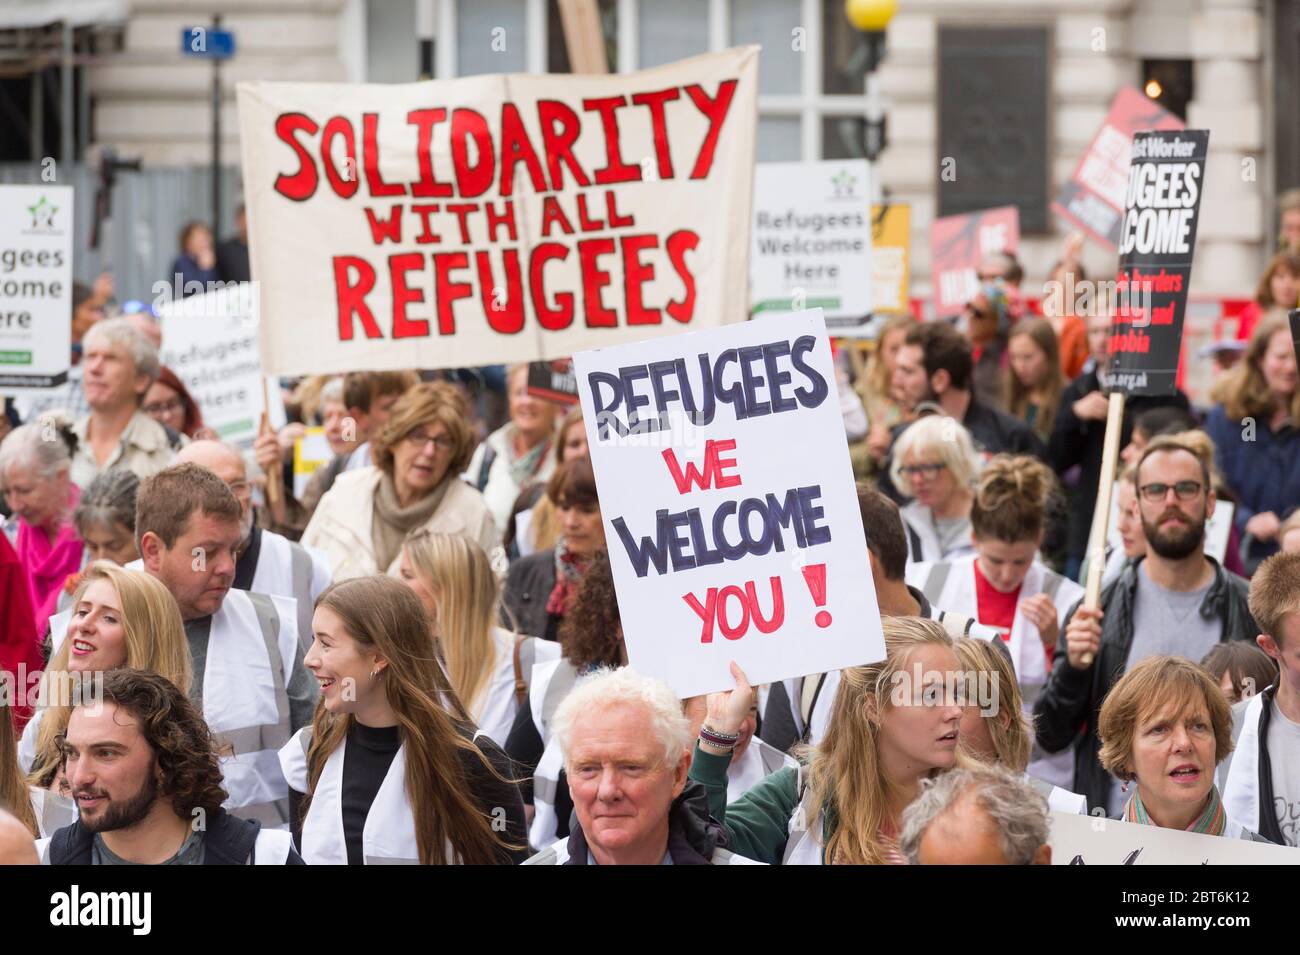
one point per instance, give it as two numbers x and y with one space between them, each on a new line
419 658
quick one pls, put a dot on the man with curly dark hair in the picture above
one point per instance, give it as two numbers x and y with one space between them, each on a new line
144 773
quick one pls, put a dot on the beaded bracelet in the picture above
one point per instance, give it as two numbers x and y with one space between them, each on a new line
718 739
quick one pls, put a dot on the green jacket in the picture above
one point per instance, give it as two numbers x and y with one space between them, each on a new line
758 823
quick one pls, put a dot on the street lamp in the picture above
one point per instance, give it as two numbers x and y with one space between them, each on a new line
871 17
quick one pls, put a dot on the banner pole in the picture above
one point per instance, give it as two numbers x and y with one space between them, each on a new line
272 480
1101 516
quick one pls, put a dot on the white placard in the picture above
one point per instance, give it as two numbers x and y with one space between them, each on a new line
698 436
812 240
35 289
210 342
1090 840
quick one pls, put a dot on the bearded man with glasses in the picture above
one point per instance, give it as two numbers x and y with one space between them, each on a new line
1176 600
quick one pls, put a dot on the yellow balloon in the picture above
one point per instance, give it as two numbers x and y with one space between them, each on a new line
870 15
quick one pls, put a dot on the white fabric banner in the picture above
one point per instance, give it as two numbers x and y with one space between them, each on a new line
501 218
731 516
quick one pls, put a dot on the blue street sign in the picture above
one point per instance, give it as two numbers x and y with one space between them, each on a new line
207 42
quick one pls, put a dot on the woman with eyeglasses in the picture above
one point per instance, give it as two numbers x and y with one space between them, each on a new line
935 464
170 404
415 483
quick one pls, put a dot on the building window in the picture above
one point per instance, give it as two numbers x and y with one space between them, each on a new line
491 37
777 26
811 71
993 122
1169 83
669 30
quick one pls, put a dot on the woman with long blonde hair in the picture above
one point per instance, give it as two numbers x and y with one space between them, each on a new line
488 667
893 724
120 618
1004 584
995 728
391 769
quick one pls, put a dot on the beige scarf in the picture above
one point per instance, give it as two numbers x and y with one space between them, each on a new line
392 522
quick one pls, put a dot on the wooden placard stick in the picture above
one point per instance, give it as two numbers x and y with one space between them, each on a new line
1101 516
272 480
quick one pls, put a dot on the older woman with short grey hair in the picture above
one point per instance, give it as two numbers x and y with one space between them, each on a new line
627 747
935 464
35 466
979 815
118 366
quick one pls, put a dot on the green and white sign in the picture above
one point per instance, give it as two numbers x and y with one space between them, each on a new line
811 240
35 288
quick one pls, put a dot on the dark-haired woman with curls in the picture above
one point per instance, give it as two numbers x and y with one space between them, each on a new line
1004 585
392 770
591 636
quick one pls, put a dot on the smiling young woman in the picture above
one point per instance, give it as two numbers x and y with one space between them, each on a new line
418 784
120 618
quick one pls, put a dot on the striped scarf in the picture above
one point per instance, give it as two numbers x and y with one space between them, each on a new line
1212 821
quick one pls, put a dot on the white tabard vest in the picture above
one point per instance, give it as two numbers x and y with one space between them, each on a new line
951 584
922 541
251 648
803 844
27 745
757 762
550 684
1058 799
1241 786
287 569
52 810
388 837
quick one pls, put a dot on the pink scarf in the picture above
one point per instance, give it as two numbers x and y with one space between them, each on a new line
48 564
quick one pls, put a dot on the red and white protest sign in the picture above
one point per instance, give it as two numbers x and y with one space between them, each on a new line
731 516
957 243
1093 199
497 218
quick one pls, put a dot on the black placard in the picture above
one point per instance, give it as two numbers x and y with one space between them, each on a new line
553 381
1157 239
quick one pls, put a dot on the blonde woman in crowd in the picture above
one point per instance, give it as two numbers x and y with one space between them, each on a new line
489 667
886 734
